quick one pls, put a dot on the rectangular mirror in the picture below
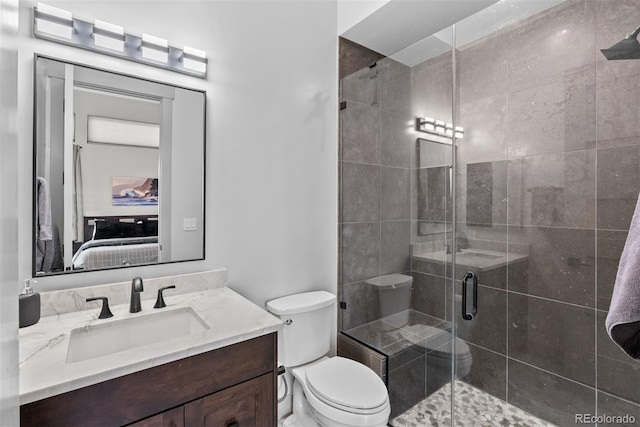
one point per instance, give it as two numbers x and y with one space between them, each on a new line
487 193
118 170
434 202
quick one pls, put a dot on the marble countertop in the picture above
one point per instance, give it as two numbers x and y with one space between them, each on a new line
44 371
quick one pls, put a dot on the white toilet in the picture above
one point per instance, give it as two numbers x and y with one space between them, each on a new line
326 391
394 295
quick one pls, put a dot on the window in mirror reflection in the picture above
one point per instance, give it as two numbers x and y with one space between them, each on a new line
106 130
98 134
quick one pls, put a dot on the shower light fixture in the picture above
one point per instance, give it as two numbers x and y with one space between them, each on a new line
58 25
439 127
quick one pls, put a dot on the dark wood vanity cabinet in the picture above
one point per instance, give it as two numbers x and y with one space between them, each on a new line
246 404
170 418
230 386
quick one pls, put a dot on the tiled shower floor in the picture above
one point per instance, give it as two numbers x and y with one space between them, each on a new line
476 409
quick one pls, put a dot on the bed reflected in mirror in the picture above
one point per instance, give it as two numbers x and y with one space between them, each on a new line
118 170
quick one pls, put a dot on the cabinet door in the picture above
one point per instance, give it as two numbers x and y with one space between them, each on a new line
248 404
171 418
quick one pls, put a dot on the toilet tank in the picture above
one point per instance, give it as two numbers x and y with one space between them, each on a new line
394 293
308 322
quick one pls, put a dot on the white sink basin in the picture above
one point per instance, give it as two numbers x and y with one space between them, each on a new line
143 329
479 259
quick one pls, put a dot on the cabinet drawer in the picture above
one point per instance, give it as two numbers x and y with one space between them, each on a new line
171 418
249 404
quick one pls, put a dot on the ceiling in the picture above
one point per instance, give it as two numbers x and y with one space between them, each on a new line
413 31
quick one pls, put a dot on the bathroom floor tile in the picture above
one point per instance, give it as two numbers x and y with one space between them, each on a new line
475 409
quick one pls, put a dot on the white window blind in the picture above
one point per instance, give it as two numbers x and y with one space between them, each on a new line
123 132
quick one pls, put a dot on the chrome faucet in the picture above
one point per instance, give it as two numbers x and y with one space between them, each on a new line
136 289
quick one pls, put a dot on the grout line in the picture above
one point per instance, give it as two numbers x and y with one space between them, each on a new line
616 397
454 216
373 164
513 292
374 222
595 232
611 147
506 315
507 225
586 307
376 106
551 373
485 348
379 182
553 153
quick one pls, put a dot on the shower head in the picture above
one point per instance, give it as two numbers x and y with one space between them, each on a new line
628 48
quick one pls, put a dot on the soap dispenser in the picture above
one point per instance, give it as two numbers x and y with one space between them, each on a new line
29 305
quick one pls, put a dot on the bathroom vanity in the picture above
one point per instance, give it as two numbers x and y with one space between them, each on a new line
216 366
234 384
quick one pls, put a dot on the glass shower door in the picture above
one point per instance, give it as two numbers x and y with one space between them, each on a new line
499 157
545 182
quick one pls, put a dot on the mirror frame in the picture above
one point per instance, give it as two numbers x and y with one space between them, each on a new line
34 153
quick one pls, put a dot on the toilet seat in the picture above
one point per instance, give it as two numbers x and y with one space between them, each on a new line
347 385
332 412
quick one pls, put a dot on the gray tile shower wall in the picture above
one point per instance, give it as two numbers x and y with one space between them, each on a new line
551 397
354 57
549 167
375 162
548 174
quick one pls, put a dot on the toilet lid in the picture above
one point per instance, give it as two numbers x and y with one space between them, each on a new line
344 382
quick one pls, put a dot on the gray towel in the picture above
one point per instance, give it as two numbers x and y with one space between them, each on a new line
623 319
49 254
43 211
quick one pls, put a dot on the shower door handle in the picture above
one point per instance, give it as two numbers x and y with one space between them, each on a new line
465 281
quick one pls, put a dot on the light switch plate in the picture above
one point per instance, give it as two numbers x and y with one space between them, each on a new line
189 224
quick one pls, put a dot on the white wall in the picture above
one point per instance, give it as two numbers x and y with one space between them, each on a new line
271 158
186 197
350 12
9 168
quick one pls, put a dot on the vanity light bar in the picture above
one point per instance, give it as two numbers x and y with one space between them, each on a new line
108 35
155 48
58 25
438 127
194 59
55 21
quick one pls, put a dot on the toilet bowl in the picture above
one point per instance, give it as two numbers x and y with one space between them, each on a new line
324 391
438 349
340 392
